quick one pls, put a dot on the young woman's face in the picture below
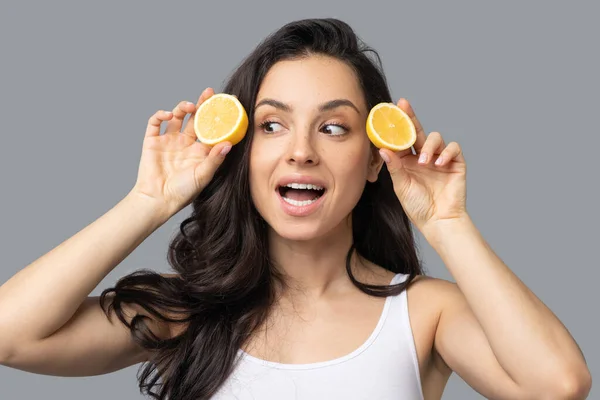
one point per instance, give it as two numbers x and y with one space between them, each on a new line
310 155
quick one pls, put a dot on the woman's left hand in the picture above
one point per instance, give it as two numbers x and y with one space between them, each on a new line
430 185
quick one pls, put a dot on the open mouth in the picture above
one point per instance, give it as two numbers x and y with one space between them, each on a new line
300 194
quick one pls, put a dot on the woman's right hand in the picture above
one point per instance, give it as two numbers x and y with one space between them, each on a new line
174 167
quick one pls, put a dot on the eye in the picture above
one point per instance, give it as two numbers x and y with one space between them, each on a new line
270 126
335 129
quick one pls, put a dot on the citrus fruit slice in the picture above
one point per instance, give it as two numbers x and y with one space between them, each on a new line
221 118
390 127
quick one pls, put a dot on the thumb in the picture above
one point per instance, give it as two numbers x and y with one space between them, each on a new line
207 168
394 165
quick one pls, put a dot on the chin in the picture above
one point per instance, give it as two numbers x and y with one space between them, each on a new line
300 232
321 229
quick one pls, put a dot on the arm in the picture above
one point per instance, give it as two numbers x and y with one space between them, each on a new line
494 331
47 325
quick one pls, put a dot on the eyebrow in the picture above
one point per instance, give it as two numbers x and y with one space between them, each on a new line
328 106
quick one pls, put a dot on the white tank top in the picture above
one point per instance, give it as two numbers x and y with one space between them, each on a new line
384 367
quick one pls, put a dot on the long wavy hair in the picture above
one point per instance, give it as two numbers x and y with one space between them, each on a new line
225 281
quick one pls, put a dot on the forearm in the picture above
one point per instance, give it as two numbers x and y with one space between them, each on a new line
43 296
527 338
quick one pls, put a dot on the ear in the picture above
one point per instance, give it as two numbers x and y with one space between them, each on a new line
375 164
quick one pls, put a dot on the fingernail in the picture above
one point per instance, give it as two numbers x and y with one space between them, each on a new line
439 161
225 150
423 158
168 112
189 103
385 157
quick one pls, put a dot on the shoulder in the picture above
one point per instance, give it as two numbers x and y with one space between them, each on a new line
428 298
430 284
434 291
433 296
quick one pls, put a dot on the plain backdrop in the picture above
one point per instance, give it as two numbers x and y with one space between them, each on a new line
515 83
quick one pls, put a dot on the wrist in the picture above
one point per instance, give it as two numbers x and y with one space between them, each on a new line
151 209
435 232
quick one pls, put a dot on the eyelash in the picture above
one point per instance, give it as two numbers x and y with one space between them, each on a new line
264 124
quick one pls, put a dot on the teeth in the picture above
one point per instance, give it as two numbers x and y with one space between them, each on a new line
298 203
309 186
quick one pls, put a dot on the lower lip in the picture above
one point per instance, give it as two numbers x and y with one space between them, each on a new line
299 211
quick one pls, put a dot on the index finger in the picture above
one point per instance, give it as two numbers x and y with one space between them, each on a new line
153 127
421 137
189 127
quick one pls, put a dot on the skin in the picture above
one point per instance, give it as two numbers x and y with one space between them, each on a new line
456 327
488 327
305 142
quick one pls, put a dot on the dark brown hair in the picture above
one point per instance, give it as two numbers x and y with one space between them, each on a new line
225 279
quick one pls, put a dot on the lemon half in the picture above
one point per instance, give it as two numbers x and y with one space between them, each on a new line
220 118
390 127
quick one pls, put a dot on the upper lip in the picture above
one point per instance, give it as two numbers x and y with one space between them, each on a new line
301 179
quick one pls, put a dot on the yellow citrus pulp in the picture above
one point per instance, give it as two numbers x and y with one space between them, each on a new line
221 118
390 127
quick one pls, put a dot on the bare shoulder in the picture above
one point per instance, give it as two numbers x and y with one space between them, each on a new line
427 298
436 289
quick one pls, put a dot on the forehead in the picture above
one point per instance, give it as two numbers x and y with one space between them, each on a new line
311 80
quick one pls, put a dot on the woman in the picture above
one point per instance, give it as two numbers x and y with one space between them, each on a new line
284 290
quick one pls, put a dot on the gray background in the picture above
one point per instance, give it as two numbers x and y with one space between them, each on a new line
515 83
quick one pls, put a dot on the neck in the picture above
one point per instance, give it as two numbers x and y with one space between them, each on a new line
315 267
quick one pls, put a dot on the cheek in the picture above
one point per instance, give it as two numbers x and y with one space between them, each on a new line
353 164
263 160
264 152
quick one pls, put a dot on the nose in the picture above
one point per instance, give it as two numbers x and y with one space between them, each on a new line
301 148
